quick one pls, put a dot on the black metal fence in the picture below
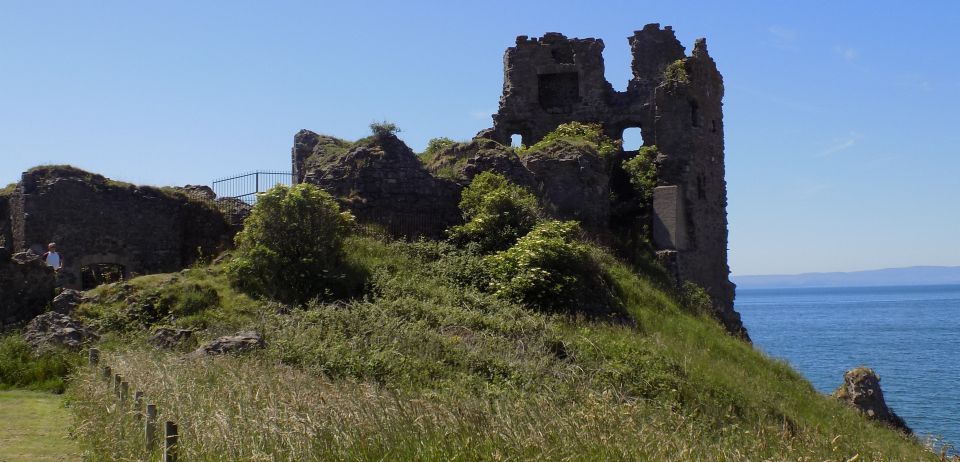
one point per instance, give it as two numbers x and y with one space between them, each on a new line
246 186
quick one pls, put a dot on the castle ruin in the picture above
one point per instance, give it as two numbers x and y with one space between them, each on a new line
674 99
553 80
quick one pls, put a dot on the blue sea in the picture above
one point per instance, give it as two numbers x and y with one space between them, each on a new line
909 335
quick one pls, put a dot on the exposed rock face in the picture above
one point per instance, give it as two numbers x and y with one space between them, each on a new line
26 287
96 221
55 329
68 301
165 337
573 183
463 161
861 389
382 181
241 342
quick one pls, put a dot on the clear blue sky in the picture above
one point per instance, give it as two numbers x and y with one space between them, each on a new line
843 150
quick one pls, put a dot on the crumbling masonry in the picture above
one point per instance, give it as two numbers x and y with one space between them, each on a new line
553 80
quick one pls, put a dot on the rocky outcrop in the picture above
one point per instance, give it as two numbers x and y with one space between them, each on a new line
572 182
239 343
50 330
103 224
168 338
26 287
67 302
381 181
463 161
861 389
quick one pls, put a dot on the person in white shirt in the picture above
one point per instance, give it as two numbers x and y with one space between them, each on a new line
52 258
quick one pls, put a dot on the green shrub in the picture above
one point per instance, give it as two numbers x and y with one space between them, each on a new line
497 212
676 72
642 170
695 299
434 146
290 249
187 299
591 133
546 269
21 368
384 128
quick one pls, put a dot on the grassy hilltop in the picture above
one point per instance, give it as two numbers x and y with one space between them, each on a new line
516 339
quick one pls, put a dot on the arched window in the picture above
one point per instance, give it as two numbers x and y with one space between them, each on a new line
516 140
101 273
694 114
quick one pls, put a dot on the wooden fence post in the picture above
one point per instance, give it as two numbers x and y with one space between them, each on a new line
170 437
94 358
150 427
117 378
138 405
107 373
124 390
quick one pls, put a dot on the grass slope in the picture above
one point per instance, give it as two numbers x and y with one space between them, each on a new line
424 366
33 427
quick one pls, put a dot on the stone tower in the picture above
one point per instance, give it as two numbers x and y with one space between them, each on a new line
676 101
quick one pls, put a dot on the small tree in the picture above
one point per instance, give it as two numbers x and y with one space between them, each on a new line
384 128
497 212
290 249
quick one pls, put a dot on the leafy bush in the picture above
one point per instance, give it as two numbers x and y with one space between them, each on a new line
676 72
290 248
434 146
591 133
497 212
384 128
21 368
695 299
642 170
546 269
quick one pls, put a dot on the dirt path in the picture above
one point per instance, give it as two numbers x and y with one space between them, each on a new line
33 427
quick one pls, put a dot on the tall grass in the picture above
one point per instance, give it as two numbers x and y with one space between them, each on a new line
21 367
426 367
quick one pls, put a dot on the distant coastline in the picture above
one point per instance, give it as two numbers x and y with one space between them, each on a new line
909 276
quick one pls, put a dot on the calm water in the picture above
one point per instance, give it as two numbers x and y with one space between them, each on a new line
909 335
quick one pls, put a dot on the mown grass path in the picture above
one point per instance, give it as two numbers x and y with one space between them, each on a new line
33 427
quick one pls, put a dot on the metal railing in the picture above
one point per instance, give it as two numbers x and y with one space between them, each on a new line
246 186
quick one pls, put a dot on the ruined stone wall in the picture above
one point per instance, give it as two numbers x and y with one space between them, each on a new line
6 233
97 221
553 80
381 181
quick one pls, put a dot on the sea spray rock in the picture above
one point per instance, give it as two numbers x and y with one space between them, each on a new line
861 389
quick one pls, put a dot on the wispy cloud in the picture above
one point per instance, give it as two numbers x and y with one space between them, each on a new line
847 53
783 34
843 144
916 80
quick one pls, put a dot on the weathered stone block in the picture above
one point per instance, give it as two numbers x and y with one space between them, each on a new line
669 221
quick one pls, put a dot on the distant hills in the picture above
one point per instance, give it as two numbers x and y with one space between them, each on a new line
910 276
